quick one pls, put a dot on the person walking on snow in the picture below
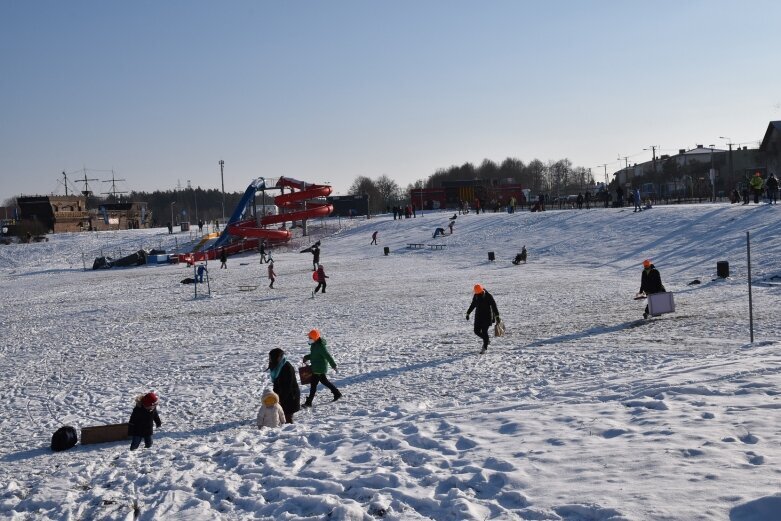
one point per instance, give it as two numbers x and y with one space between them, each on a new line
772 188
271 275
270 413
141 419
374 238
650 282
636 198
450 225
262 249
486 313
316 255
321 276
756 186
285 383
223 259
320 359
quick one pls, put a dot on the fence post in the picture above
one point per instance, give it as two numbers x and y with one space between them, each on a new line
750 302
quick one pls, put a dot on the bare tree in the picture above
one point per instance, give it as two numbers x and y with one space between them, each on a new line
389 190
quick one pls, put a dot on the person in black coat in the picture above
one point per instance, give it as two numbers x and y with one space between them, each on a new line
283 375
141 419
223 259
486 313
650 282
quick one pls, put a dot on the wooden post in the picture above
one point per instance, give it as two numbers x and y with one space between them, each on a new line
750 303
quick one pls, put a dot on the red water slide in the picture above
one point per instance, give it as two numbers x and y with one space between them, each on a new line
294 206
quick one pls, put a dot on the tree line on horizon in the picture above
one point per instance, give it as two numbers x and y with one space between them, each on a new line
557 177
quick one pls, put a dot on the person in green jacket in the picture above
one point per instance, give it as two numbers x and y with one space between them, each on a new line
757 184
320 359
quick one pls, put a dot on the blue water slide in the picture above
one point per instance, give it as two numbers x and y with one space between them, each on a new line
249 196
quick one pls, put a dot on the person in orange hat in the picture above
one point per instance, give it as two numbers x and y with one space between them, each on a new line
650 282
320 359
486 313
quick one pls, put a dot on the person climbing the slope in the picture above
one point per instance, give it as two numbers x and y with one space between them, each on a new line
486 313
320 359
374 238
271 274
650 282
321 276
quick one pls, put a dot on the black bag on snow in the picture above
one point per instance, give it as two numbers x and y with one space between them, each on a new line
64 438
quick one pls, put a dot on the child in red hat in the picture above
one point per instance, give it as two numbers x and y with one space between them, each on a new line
141 419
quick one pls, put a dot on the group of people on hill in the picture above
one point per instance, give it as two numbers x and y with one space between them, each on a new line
757 186
404 211
278 404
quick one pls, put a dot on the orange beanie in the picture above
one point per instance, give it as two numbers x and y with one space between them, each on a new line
314 335
478 289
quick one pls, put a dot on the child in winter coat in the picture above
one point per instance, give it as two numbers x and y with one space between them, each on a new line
270 413
271 275
143 416
321 359
321 276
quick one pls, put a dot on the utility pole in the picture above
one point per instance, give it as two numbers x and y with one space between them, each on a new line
65 182
222 180
731 173
604 165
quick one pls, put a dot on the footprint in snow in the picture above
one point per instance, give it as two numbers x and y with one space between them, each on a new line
754 458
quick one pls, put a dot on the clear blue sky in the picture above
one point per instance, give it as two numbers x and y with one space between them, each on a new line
330 90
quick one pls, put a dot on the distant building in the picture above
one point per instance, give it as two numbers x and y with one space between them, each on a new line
452 193
69 213
349 205
771 147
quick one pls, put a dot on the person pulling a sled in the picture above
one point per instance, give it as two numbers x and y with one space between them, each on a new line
650 282
320 359
486 313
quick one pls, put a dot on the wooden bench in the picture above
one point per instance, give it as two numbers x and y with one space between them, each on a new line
414 245
247 287
104 433
437 246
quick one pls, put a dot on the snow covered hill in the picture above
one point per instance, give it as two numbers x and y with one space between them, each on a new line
582 412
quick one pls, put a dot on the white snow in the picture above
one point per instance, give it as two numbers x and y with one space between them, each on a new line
582 412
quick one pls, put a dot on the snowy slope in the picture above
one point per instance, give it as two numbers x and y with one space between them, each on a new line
581 412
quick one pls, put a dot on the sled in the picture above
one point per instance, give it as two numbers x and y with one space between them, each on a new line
660 304
104 433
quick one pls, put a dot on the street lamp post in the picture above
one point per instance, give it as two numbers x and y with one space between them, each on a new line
731 173
222 181
712 176
172 212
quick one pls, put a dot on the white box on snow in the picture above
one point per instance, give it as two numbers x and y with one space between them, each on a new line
660 303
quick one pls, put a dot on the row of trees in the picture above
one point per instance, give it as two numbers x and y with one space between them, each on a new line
554 177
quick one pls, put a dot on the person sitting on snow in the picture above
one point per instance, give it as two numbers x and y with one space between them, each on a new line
521 257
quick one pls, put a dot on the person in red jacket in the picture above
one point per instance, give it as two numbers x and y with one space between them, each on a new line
143 416
321 276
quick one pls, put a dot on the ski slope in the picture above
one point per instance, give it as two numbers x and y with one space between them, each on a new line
582 412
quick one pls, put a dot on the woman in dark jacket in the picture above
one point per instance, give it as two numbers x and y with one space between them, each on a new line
650 282
486 313
283 375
